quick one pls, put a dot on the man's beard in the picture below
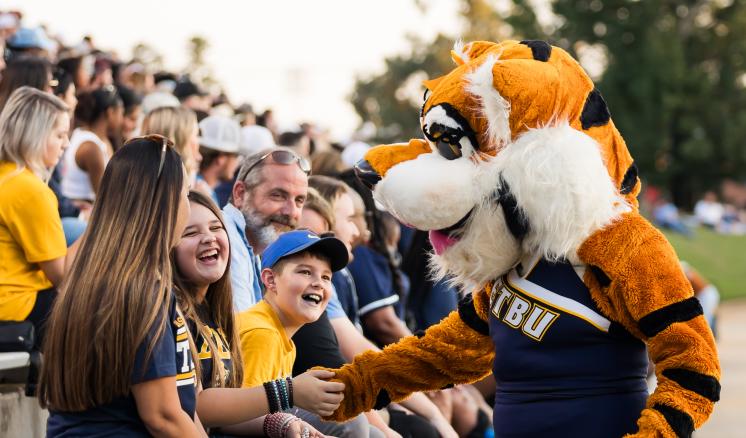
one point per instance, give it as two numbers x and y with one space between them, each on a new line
261 229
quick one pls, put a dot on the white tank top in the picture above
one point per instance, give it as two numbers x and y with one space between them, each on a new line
75 181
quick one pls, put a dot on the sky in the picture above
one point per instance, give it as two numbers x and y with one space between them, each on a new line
300 58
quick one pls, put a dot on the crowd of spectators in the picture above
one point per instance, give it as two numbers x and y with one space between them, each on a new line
709 212
149 232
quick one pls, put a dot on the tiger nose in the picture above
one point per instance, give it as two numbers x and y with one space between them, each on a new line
366 174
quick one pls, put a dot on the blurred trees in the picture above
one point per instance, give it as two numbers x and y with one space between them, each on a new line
197 68
672 72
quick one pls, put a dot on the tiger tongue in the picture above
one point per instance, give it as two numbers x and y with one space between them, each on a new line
441 241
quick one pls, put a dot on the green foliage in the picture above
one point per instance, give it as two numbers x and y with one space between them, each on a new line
672 72
719 258
673 82
387 99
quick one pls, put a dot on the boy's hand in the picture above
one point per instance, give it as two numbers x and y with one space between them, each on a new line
313 393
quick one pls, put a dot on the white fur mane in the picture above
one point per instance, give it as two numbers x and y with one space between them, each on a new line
561 183
494 107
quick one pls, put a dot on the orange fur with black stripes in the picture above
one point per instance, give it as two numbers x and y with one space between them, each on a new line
521 157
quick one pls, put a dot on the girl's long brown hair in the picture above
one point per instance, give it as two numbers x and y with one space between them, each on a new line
120 283
218 306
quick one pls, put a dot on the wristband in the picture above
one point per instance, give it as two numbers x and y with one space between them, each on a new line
290 391
272 397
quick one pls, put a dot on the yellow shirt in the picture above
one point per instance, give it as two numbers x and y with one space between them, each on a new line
30 232
266 350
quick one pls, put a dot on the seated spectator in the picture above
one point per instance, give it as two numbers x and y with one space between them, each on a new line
64 88
33 134
316 342
180 125
25 71
192 96
267 119
428 301
132 102
203 291
119 361
731 223
317 214
267 199
708 210
99 117
327 163
666 215
245 115
338 196
81 68
297 141
218 143
297 272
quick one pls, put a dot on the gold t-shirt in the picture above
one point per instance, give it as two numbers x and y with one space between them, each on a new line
30 232
266 350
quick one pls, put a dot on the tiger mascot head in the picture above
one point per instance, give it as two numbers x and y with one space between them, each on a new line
520 158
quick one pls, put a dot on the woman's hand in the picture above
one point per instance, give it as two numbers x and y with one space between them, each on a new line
301 429
312 392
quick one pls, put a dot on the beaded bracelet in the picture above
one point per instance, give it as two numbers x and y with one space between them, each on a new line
290 391
283 390
286 425
277 424
273 398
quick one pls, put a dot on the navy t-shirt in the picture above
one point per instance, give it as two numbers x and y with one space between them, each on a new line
171 356
344 285
205 353
373 280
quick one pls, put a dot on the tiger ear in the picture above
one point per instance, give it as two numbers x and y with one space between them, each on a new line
465 52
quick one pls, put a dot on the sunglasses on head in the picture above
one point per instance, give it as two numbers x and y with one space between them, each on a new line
281 157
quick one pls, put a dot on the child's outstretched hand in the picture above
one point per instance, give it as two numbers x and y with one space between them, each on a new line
312 392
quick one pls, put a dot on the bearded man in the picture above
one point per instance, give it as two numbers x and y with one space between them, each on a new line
267 200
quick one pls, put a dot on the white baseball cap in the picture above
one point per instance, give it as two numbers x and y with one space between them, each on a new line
255 138
220 133
158 99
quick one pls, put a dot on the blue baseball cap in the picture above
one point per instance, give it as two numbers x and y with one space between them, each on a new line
297 241
30 38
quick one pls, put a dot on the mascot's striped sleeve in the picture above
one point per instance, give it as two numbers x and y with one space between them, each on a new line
636 280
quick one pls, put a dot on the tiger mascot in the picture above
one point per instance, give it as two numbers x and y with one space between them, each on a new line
529 195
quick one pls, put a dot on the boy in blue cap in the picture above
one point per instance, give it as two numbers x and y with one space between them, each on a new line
296 271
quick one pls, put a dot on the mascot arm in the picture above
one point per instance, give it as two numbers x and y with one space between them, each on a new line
637 279
456 350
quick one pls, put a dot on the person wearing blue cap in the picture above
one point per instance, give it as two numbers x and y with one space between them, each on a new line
297 272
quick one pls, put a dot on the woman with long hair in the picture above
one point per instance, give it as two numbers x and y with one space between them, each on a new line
203 290
119 358
33 133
